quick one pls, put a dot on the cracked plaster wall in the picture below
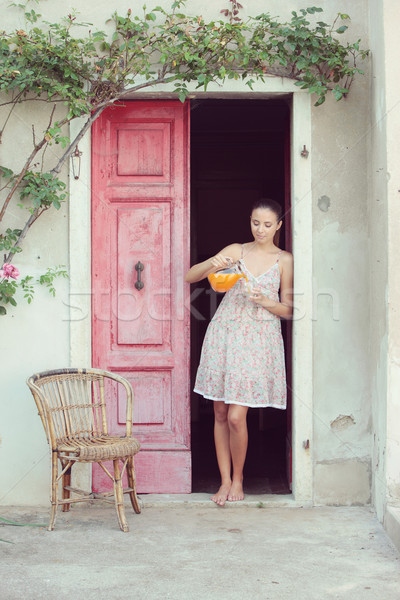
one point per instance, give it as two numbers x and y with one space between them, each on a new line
342 469
391 185
378 236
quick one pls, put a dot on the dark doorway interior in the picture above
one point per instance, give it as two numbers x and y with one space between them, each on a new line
239 152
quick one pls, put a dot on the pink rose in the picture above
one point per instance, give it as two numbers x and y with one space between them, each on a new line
9 270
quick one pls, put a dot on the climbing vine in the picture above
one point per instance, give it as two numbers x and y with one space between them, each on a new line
70 65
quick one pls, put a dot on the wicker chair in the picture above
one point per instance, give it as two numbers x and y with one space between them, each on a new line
72 406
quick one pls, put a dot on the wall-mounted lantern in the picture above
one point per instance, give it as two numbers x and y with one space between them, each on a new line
76 163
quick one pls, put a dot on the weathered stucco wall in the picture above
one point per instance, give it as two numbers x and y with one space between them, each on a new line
38 337
342 426
384 230
33 337
392 56
378 237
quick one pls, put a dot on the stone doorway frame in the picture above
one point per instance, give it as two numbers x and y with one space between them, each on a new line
301 199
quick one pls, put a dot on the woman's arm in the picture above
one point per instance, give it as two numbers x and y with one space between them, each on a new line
222 260
284 308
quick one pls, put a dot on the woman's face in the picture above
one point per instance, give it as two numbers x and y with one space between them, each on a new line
264 224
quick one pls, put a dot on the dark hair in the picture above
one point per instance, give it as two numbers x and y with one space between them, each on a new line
270 204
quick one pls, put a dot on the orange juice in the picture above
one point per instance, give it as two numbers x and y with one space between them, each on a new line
222 282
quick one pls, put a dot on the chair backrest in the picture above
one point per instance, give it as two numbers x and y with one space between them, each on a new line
72 402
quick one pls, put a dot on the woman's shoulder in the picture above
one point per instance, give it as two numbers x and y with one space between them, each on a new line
285 255
234 250
286 258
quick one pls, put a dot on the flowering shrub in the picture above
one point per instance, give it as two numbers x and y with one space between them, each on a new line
8 288
9 271
27 285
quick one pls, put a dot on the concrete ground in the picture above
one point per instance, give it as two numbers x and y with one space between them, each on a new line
195 550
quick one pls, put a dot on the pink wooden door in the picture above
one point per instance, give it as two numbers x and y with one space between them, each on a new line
140 214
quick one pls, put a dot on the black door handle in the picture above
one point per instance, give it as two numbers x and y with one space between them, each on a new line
139 285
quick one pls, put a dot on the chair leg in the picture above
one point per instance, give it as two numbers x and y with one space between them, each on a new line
130 471
66 493
119 497
54 495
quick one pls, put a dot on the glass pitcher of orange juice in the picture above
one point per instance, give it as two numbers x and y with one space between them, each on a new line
224 280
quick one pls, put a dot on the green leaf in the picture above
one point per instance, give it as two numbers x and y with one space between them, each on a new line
320 101
2 310
98 36
341 29
250 83
5 172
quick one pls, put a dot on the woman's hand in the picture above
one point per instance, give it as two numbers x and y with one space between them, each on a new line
257 297
226 258
276 308
219 261
261 299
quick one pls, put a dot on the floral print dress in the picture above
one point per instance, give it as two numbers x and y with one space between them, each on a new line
242 359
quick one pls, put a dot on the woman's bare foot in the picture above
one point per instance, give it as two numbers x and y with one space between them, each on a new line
236 492
222 495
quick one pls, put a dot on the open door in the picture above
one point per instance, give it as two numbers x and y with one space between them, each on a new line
140 250
240 152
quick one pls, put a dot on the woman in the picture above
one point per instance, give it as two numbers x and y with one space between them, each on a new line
242 360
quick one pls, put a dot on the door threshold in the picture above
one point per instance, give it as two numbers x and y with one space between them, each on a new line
203 501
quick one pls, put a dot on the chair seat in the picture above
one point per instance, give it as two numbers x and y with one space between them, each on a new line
104 447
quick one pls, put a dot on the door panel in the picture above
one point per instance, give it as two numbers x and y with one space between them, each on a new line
140 214
144 315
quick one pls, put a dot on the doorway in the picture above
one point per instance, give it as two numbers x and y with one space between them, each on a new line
239 153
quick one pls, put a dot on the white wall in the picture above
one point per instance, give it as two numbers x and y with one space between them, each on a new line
342 427
392 122
35 337
378 236
392 56
384 230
